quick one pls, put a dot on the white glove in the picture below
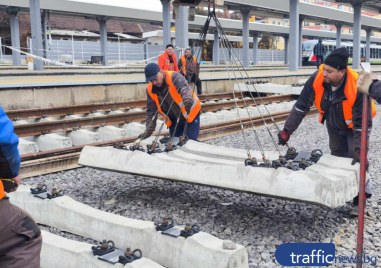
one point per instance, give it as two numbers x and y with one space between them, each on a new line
364 82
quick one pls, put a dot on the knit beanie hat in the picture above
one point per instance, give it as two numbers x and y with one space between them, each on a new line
338 58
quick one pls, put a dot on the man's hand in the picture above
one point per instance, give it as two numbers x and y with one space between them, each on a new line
141 137
364 82
11 185
188 106
356 158
283 137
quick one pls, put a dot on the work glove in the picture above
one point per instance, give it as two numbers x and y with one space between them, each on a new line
11 185
364 82
356 158
283 137
188 106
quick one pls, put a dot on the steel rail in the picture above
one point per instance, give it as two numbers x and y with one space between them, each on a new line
40 128
89 108
63 159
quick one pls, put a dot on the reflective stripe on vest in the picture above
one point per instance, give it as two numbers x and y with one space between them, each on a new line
350 92
2 192
194 111
184 63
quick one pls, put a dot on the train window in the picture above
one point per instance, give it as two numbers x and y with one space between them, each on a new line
362 52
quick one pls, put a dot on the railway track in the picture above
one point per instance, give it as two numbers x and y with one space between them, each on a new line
40 128
62 159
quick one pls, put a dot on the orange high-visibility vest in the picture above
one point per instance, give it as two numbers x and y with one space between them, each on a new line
350 92
194 111
184 63
2 192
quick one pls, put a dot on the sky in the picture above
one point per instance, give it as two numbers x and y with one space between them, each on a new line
152 5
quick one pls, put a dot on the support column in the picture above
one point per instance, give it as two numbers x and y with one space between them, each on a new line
181 23
356 34
338 35
166 22
15 34
245 33
285 49
367 50
216 49
36 34
294 35
300 54
45 17
255 48
102 20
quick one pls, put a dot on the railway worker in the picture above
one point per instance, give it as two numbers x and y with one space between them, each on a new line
20 236
168 61
333 90
190 69
169 94
319 51
370 86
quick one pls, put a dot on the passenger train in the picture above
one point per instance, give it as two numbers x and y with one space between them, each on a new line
310 59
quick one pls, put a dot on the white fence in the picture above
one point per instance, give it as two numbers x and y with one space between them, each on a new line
81 52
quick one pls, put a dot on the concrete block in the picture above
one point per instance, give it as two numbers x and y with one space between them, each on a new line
111 133
135 110
60 252
224 115
208 118
27 147
84 136
116 112
95 114
73 116
52 141
205 164
67 214
22 122
268 88
134 128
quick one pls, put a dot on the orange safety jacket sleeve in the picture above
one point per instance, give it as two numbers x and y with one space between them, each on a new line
183 88
301 107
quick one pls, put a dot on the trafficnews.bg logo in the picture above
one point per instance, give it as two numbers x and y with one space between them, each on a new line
316 254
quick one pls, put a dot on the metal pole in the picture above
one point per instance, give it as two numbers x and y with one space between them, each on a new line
363 164
118 49
1 50
72 49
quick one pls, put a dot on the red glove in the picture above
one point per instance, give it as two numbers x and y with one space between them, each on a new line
283 137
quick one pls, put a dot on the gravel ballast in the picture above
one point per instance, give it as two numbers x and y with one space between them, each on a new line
258 223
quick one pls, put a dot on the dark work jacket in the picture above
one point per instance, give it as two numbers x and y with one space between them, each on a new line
375 91
331 104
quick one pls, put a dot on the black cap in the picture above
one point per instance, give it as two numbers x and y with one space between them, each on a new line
169 45
151 71
338 58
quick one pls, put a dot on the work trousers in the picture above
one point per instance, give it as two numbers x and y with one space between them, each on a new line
342 144
319 61
192 130
192 78
20 238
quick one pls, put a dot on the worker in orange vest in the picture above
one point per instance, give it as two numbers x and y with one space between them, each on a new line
168 61
333 90
20 236
190 69
169 95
